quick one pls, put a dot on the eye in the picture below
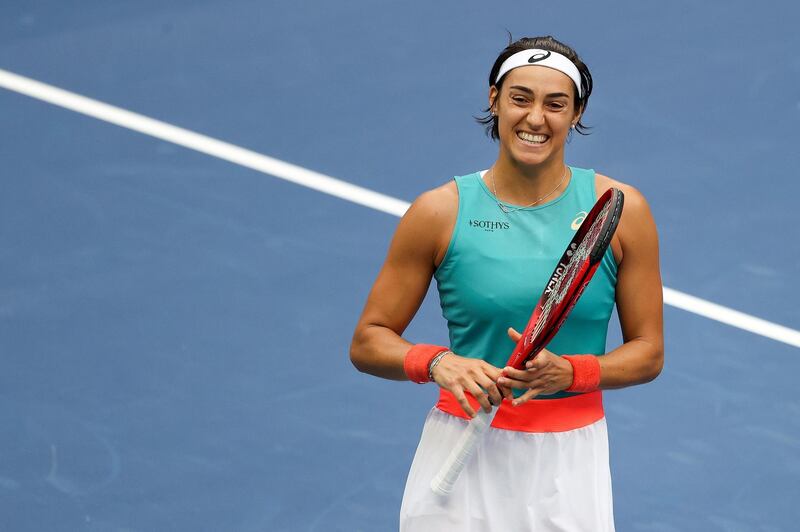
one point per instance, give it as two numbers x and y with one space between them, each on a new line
519 99
557 106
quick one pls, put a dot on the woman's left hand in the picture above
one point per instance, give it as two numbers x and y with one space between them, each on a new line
545 374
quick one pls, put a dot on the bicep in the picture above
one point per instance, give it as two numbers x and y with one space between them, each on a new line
639 293
404 278
398 292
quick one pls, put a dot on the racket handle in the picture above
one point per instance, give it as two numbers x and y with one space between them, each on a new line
446 478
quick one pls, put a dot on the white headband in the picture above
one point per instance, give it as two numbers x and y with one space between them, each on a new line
545 58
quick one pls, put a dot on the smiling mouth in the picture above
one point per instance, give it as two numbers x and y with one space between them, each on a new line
530 138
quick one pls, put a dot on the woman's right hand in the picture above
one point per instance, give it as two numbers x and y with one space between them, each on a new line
458 374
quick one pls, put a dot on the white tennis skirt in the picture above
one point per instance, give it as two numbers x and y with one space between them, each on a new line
515 481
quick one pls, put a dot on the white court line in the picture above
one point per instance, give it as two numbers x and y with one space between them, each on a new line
731 317
328 185
202 143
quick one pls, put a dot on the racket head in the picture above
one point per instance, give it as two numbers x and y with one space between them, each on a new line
570 277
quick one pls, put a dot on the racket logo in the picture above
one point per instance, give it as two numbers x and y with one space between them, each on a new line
579 218
572 247
560 269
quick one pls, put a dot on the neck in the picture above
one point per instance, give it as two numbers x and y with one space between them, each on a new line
521 184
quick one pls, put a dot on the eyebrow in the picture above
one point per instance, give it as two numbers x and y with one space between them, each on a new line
529 91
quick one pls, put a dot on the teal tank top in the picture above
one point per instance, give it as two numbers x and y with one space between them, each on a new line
497 264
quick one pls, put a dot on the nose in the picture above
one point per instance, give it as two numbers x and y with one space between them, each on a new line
535 116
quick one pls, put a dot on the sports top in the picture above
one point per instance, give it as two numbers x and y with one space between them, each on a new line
497 264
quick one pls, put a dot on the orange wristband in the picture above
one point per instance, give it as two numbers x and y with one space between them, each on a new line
417 360
585 373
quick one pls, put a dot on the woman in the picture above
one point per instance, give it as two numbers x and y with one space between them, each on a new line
491 240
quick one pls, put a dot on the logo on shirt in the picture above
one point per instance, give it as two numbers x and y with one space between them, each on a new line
489 225
579 218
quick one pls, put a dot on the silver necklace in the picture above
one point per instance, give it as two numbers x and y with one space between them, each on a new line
508 210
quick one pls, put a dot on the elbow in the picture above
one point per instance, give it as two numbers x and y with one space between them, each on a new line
357 353
655 366
356 360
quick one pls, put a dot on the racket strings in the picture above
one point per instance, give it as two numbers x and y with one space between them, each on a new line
573 266
582 252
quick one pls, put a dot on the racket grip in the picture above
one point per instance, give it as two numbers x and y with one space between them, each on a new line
447 476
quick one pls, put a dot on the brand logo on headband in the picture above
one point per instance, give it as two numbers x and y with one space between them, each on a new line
539 56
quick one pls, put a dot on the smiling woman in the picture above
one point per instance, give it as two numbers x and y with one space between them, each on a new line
583 84
491 240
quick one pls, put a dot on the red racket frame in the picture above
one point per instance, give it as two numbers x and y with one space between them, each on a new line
529 346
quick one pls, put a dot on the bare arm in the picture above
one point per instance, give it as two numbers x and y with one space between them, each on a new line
639 300
377 347
418 246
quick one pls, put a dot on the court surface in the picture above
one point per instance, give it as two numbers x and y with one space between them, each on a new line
174 327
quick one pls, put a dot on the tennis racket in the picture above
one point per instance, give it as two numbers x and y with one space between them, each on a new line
573 272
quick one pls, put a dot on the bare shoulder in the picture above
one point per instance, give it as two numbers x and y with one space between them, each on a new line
430 219
438 203
636 226
636 206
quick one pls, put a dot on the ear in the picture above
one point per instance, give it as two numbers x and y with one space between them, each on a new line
492 99
577 117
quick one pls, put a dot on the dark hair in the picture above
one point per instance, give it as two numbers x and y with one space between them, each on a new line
545 43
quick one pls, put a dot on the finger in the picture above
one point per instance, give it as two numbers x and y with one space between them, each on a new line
521 380
488 381
462 400
513 334
507 392
525 397
495 395
536 365
490 387
518 383
478 393
519 374
540 362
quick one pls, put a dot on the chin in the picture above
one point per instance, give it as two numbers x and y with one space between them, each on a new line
528 158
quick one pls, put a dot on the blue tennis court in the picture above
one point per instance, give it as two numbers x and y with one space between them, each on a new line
175 321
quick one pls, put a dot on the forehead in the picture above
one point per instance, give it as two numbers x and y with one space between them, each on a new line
540 79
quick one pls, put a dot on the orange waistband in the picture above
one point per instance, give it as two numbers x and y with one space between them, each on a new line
538 415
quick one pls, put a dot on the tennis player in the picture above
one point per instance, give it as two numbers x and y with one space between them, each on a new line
491 240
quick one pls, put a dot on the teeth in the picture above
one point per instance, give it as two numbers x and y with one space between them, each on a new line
528 137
